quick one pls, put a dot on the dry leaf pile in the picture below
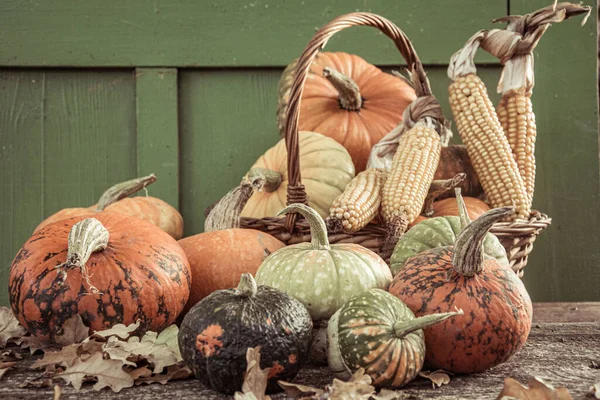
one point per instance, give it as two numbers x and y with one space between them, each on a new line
113 358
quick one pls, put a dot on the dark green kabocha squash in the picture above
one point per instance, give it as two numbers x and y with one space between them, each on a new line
217 332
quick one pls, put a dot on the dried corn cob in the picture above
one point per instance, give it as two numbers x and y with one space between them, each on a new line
518 122
360 201
480 130
411 174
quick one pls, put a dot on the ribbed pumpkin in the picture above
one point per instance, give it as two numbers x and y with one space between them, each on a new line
349 100
497 308
376 331
325 167
151 209
223 252
109 268
216 333
440 232
322 276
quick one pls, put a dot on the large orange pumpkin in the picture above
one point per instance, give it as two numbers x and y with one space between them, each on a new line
349 100
108 268
151 209
222 253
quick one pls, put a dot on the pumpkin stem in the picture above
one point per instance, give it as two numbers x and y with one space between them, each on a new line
263 179
467 257
247 286
86 237
403 328
226 213
463 213
439 187
122 190
318 229
350 98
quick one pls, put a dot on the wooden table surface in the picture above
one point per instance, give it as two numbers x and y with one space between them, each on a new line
563 349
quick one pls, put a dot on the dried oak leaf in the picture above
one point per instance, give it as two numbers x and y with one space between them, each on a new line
358 387
536 389
10 355
32 343
119 330
108 373
5 366
9 326
255 378
386 394
73 331
64 357
141 372
437 378
296 390
37 383
172 373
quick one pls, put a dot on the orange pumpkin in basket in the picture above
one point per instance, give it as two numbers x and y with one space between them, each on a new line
349 100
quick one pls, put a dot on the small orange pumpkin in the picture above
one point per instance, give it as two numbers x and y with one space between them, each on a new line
151 209
349 100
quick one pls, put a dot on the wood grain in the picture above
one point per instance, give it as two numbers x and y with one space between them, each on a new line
560 354
65 137
191 33
157 148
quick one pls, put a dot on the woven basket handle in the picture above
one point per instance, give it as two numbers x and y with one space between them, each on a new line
295 190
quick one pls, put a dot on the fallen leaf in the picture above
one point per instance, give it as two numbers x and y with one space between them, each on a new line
73 331
168 337
37 383
595 391
358 387
437 378
5 366
115 349
57 392
119 330
108 373
9 326
160 355
296 390
32 343
141 372
64 357
537 390
255 378
172 373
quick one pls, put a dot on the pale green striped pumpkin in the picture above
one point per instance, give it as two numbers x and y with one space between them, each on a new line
322 276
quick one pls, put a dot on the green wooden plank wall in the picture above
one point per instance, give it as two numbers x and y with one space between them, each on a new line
107 92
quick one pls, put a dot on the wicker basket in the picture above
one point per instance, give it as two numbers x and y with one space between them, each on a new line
517 236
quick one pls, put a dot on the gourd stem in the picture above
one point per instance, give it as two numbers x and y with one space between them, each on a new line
439 187
403 328
122 190
467 257
86 237
350 98
318 229
247 286
226 213
263 179
463 213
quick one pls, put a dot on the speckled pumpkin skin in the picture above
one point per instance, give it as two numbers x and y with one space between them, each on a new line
438 232
219 258
323 280
361 335
497 311
217 332
142 274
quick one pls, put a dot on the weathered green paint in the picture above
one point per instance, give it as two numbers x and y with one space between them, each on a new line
192 33
157 130
565 262
65 136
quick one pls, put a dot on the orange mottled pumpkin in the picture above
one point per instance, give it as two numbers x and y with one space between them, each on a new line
349 100
151 209
497 308
109 268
